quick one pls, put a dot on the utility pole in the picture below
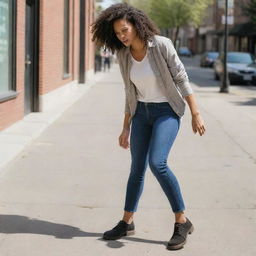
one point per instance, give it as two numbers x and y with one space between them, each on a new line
225 80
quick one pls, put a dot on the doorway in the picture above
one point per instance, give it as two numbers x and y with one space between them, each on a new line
82 42
31 92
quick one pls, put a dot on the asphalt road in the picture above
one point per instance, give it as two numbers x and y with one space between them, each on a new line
204 77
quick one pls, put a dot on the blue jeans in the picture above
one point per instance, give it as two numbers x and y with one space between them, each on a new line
153 130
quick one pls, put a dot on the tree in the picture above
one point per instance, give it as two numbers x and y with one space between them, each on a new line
173 14
98 10
144 5
250 10
170 14
178 13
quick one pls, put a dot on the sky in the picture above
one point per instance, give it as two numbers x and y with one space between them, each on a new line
107 3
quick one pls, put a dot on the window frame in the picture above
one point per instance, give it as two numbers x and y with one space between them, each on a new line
11 91
66 40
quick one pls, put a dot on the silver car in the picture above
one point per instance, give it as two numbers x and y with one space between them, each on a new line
239 65
207 59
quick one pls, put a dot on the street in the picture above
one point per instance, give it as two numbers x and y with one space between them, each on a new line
204 77
68 185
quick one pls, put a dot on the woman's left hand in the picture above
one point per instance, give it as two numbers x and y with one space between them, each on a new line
198 124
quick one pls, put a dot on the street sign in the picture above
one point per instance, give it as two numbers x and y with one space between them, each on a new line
230 20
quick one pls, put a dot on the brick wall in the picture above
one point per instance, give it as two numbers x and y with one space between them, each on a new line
51 48
12 110
50 53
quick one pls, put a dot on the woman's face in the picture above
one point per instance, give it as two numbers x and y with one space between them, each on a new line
125 31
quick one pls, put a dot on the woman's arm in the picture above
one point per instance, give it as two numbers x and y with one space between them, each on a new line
197 121
181 80
124 136
176 67
126 124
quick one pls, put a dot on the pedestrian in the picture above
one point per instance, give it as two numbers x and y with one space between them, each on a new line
98 60
107 55
156 85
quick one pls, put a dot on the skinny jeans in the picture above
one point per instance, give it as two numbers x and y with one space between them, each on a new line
154 128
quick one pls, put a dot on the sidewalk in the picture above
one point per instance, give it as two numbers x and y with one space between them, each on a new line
68 185
16 137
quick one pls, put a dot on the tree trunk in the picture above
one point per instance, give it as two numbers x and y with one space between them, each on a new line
170 33
176 36
166 32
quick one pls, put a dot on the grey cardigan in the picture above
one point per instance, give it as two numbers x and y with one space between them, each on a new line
168 69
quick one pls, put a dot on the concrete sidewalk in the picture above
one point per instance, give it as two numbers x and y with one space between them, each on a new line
68 186
16 137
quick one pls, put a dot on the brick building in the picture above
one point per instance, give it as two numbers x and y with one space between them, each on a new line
45 48
210 35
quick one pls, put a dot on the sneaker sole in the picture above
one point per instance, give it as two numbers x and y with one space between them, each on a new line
175 247
181 245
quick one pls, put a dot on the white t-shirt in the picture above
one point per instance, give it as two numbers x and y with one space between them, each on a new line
144 79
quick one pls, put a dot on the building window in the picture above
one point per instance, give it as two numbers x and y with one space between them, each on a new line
7 46
66 39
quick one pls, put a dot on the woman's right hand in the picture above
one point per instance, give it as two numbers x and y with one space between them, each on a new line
123 138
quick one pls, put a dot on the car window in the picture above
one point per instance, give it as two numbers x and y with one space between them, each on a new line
239 58
213 55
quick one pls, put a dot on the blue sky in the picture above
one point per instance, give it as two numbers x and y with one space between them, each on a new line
107 3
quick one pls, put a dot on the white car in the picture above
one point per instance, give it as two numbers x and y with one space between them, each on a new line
239 66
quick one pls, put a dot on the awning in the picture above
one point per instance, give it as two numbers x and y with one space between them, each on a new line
245 29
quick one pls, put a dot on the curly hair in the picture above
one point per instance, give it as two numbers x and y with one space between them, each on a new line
103 30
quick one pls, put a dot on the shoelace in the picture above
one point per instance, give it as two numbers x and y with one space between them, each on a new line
119 225
178 230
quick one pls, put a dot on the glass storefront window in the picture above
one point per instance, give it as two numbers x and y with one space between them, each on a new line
5 45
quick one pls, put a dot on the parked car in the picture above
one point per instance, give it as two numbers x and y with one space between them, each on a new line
240 67
253 65
208 58
184 51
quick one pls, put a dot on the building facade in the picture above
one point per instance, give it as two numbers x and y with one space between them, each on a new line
209 36
45 47
242 34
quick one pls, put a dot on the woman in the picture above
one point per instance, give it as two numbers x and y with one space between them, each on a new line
156 84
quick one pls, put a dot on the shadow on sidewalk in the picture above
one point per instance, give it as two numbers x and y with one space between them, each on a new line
250 102
15 224
119 244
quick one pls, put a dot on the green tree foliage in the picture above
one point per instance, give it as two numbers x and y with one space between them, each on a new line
144 5
173 14
178 13
98 9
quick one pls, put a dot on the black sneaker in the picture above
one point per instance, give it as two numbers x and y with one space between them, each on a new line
121 229
179 237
